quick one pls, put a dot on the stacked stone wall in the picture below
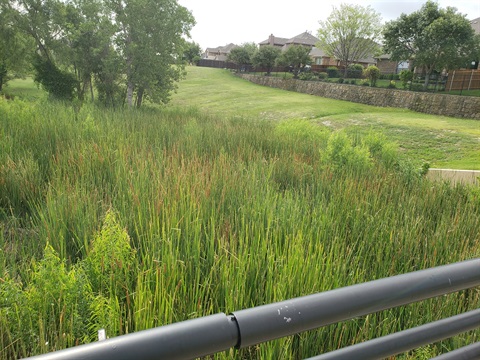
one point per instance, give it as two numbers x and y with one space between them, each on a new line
435 104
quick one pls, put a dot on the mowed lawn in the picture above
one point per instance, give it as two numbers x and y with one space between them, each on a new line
441 141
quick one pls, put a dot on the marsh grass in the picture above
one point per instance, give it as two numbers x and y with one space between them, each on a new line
133 219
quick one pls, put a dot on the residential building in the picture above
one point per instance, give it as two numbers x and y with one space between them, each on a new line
219 53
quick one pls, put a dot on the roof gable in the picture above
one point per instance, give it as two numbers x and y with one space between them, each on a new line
303 39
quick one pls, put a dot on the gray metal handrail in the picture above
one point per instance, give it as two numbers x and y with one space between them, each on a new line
216 333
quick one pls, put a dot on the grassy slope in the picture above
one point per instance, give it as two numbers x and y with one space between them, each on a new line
441 141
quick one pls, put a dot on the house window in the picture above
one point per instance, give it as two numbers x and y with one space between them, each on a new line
318 61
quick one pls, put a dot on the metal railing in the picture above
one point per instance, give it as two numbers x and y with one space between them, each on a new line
216 333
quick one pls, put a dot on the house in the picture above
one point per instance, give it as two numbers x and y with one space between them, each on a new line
320 57
304 39
274 41
219 53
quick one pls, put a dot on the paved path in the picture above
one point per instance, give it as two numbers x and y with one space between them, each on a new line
455 176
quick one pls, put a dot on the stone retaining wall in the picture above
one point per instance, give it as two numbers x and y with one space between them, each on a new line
435 104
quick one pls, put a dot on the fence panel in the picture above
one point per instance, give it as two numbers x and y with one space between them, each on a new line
463 80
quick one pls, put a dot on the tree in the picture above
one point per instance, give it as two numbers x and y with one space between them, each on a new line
350 33
151 40
265 58
242 55
192 52
432 38
137 42
15 47
296 57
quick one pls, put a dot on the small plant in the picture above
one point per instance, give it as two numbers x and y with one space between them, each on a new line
332 71
354 71
392 84
353 82
340 80
406 76
306 76
372 73
322 75
365 83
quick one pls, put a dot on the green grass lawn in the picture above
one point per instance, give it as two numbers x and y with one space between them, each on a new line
441 141
23 89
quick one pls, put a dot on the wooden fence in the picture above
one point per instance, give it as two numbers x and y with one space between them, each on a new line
463 80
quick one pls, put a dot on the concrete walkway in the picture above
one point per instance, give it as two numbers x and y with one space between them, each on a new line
455 176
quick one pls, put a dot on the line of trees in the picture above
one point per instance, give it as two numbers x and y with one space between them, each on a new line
118 50
431 38
295 57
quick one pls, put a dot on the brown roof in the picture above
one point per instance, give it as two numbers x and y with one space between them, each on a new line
303 39
276 41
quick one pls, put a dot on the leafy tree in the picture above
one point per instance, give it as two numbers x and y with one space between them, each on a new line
433 38
265 57
296 57
350 33
192 53
372 73
242 55
15 47
150 38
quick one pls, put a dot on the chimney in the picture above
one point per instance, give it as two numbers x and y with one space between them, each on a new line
271 40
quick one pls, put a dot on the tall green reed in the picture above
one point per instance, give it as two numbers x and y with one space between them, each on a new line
221 214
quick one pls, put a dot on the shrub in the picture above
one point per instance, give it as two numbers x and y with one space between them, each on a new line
306 76
322 75
341 153
340 80
365 83
353 82
59 84
372 73
406 76
417 87
354 71
332 71
392 84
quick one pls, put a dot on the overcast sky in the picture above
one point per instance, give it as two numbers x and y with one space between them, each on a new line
220 22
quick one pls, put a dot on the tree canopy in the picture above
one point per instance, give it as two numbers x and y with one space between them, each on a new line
128 49
265 57
242 55
15 47
350 33
296 57
432 38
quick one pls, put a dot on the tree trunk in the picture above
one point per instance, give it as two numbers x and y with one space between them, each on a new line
130 94
139 101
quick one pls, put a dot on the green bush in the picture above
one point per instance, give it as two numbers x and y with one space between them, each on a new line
392 85
306 75
322 75
332 71
354 71
59 84
406 76
372 73
340 80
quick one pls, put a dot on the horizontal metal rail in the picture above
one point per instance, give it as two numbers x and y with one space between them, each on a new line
402 341
470 352
203 336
